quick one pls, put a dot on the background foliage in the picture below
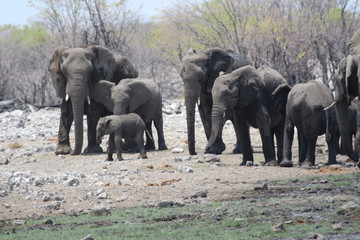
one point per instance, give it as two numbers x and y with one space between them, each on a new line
302 39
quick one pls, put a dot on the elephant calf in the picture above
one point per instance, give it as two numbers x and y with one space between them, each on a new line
305 111
128 126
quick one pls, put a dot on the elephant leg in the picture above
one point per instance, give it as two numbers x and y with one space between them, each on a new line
111 148
279 134
94 112
139 139
205 114
66 119
160 131
245 140
118 146
287 143
357 140
264 124
332 144
302 148
310 153
150 145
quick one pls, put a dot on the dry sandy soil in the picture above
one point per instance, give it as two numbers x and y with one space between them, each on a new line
39 183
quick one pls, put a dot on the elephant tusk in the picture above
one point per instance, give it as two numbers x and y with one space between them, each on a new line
67 97
88 99
330 106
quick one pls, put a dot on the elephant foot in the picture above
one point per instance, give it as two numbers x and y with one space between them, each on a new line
246 163
217 148
286 163
271 163
162 147
332 163
358 164
237 149
142 156
306 163
119 159
93 149
63 149
109 159
76 152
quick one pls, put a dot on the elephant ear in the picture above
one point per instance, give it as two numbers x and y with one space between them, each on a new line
139 93
352 81
220 60
124 69
250 84
104 63
280 95
58 79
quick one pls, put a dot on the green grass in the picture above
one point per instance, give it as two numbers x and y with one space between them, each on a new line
250 218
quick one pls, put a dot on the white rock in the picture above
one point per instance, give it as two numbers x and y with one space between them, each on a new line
177 150
185 169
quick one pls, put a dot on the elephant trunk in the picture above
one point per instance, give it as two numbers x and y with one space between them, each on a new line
78 94
217 113
343 120
190 102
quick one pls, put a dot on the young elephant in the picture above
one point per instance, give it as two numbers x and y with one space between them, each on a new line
128 126
305 111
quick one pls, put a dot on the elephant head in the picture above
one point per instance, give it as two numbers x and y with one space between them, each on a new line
237 89
198 72
74 72
129 95
346 85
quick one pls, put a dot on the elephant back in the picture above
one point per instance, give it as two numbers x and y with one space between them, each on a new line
354 44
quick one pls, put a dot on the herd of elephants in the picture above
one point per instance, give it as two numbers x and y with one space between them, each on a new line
106 87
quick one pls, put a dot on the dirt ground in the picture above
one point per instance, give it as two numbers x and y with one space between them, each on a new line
49 184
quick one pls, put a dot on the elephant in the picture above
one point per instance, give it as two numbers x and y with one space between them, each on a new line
346 86
198 72
137 95
247 92
75 72
305 111
128 126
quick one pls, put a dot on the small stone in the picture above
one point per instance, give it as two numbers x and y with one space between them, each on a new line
48 222
185 169
102 195
46 198
337 226
211 158
201 194
278 227
100 211
72 182
3 193
18 222
177 150
263 186
122 198
4 161
168 204
177 159
88 237
288 222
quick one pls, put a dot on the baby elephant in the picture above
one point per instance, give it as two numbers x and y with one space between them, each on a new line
128 126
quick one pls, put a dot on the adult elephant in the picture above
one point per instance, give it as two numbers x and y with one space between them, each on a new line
198 72
247 91
74 72
346 84
137 95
